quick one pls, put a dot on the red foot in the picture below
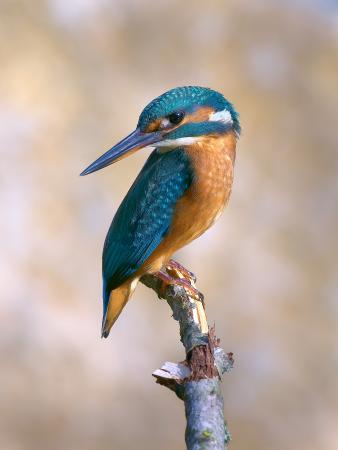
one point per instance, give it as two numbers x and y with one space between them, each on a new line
168 280
176 269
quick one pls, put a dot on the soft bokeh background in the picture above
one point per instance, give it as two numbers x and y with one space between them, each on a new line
74 77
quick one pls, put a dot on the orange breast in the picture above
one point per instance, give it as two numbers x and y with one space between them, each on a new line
212 159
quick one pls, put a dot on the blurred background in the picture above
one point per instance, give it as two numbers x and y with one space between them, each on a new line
74 77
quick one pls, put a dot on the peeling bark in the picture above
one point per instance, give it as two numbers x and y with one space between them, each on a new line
197 380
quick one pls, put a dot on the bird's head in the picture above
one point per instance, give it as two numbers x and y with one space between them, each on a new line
177 118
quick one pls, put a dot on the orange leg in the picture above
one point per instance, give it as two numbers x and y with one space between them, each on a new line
178 271
167 280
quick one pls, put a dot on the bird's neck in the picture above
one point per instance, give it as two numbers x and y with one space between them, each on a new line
219 147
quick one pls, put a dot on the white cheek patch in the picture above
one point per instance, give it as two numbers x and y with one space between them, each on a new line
172 143
221 116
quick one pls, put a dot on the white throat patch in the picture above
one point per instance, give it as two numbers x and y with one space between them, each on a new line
173 143
221 116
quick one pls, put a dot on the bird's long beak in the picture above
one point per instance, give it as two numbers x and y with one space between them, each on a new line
135 141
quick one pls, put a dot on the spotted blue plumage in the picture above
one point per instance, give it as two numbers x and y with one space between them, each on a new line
144 216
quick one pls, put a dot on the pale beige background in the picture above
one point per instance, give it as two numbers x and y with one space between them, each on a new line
74 77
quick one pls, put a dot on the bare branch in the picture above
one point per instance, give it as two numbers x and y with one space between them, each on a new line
196 380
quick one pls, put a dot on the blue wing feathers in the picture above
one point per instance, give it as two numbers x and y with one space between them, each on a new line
144 216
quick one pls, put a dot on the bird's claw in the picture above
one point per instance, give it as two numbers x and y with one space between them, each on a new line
174 276
191 290
178 271
187 279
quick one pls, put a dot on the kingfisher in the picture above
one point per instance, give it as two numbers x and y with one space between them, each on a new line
180 192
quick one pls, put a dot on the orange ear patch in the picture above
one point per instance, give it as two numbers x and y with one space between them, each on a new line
199 115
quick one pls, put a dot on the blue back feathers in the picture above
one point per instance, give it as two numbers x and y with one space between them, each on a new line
144 217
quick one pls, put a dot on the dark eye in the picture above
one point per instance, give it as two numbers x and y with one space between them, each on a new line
176 117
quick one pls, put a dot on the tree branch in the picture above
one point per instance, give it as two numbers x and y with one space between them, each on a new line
197 379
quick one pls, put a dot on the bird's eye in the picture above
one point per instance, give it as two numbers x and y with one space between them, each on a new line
176 117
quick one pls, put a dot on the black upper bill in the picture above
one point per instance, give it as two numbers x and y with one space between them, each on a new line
134 141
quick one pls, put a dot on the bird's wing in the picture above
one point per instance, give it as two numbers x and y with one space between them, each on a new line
144 216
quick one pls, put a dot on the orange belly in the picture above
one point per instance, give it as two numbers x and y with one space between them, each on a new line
213 161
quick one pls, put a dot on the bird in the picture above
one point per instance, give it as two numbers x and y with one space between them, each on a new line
180 192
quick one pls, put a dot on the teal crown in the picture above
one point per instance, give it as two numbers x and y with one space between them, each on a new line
187 99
